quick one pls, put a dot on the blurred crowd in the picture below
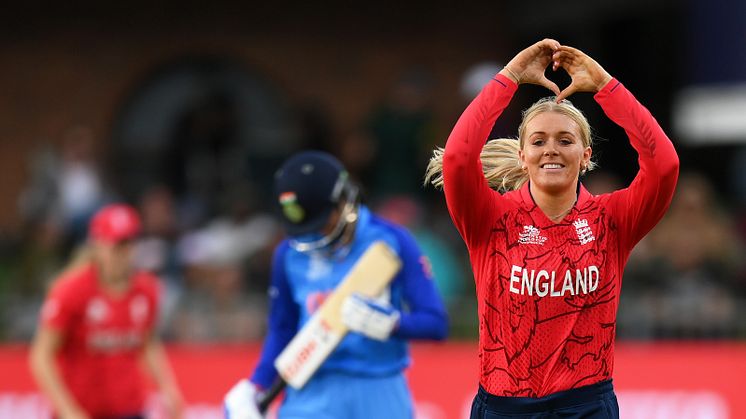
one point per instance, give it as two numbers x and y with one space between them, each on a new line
211 244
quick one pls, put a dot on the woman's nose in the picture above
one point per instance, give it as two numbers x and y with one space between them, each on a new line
550 150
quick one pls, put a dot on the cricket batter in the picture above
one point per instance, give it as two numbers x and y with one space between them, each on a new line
328 230
547 255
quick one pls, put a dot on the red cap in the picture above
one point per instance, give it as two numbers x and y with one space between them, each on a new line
114 223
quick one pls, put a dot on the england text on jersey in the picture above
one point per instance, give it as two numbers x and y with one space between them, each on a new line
543 282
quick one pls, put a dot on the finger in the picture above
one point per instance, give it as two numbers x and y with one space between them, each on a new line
570 64
550 43
569 90
550 85
561 56
570 50
571 55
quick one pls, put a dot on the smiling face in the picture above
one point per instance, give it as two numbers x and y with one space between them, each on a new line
553 152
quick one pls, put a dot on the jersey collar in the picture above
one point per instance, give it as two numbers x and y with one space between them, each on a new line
528 200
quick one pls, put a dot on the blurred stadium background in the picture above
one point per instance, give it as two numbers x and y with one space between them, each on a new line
185 110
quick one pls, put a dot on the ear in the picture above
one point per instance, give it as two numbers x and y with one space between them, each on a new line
587 153
522 157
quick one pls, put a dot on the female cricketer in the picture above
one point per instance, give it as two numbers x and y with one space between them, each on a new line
329 229
97 327
547 255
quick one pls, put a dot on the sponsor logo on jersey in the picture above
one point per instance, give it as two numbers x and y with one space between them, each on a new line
97 311
531 235
110 341
545 283
585 234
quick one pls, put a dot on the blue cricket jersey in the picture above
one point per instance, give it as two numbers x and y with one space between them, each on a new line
301 281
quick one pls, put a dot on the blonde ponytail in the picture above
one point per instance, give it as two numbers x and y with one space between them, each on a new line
500 164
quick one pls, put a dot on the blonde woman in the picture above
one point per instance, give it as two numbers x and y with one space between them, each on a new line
547 255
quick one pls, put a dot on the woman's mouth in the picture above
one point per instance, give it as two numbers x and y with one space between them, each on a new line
552 166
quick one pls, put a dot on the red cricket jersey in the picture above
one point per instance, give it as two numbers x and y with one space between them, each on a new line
103 339
548 292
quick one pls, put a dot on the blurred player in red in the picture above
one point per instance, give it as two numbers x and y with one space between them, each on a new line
97 325
548 256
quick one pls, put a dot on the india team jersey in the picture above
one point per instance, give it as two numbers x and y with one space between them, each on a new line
548 292
302 281
103 338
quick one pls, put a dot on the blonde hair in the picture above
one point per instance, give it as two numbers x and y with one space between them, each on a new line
81 256
501 163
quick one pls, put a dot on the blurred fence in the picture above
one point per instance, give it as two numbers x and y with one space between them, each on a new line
652 381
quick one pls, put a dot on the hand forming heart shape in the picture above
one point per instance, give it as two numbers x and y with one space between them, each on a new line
528 66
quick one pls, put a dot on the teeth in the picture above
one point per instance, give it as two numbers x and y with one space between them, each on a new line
552 166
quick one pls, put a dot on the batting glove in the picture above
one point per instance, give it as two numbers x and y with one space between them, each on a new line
369 317
241 401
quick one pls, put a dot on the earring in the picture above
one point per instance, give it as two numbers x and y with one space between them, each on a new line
524 167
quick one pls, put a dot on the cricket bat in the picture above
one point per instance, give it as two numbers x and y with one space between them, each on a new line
318 338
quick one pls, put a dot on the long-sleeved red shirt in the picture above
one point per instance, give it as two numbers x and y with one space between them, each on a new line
548 292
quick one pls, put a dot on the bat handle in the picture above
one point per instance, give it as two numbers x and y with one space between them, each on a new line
272 392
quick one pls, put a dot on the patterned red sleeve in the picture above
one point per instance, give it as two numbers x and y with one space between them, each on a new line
640 206
468 195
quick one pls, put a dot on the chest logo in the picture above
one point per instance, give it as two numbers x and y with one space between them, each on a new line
531 235
585 234
97 311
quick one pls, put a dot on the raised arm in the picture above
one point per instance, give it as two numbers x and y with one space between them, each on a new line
643 203
467 192
647 198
